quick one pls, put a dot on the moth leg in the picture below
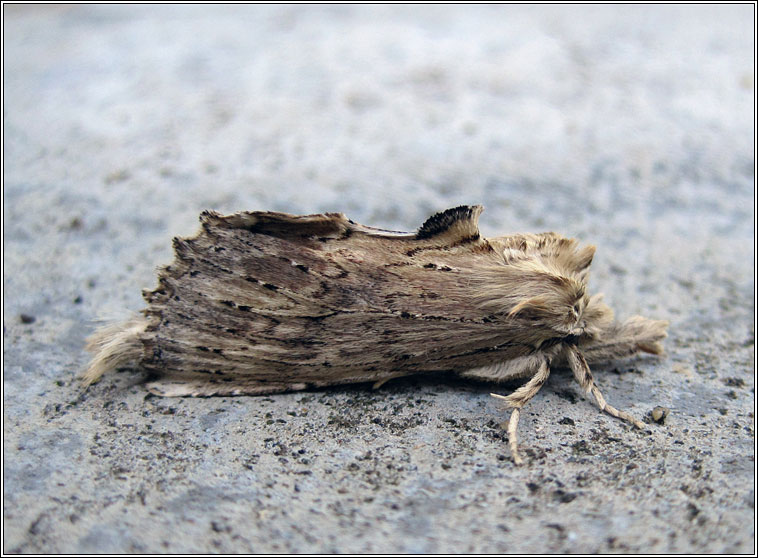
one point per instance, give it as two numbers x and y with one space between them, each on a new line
517 400
583 376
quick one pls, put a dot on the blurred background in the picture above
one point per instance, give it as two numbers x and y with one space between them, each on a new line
629 126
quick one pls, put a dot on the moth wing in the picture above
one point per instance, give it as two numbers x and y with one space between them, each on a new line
262 302
283 225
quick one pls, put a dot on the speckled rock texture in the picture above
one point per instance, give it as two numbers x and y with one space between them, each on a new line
629 127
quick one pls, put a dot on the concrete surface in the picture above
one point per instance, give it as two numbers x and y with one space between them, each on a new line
630 127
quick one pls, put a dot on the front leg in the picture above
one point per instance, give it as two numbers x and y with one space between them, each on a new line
583 376
517 400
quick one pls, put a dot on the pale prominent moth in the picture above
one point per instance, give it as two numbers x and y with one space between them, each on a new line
264 302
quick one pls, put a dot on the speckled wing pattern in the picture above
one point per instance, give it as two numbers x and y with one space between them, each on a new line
263 302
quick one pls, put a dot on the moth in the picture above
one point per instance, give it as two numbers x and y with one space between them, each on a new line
264 302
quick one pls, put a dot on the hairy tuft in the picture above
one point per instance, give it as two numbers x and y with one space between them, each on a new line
114 345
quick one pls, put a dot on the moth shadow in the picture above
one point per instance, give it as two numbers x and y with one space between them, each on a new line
561 382
441 382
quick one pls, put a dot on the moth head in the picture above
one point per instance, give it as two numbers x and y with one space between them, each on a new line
554 302
596 317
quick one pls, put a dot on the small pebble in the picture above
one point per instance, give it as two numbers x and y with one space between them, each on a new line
659 414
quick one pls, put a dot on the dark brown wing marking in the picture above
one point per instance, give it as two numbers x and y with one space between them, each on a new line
461 221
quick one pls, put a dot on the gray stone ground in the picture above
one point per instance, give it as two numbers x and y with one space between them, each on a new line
628 127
